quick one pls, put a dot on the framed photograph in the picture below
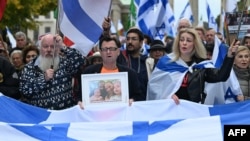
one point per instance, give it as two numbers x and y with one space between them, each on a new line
105 88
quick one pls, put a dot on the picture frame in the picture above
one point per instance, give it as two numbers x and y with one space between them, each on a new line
104 88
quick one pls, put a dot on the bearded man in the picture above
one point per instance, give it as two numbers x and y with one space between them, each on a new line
46 82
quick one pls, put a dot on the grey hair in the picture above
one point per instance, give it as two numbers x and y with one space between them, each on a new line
20 34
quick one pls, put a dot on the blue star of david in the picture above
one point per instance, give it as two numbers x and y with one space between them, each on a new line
159 29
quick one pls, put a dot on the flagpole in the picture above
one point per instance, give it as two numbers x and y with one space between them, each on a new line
57 32
106 31
242 12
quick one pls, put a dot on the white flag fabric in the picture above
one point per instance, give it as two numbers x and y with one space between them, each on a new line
11 38
187 13
141 121
211 19
112 28
222 92
81 21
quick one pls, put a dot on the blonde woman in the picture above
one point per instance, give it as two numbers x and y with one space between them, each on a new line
241 69
183 73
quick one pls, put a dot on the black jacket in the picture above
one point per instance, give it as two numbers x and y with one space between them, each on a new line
197 79
9 82
133 82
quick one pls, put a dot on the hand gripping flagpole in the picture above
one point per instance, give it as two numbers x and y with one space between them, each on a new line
106 30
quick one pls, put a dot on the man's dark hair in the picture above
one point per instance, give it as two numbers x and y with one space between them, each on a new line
107 39
149 39
210 48
136 31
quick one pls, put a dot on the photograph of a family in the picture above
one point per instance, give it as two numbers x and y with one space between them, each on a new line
105 91
104 88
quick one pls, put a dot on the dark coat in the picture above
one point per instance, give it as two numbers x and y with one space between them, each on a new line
197 79
9 82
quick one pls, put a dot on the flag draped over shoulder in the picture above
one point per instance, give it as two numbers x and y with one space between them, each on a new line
222 92
2 7
153 18
81 21
171 75
19 121
187 13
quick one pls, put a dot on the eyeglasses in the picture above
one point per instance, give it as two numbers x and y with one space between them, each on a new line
32 56
109 48
131 38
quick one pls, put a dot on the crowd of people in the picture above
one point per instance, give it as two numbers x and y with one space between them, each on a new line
48 75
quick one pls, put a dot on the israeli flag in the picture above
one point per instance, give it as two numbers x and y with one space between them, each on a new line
211 19
19 121
81 21
187 13
153 18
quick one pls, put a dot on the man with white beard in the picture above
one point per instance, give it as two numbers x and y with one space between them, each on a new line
46 82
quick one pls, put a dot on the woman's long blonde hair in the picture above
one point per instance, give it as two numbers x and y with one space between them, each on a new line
199 49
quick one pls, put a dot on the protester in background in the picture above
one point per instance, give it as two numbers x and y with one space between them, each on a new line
183 23
210 34
202 33
242 71
146 39
169 43
95 58
47 81
9 83
220 36
21 41
109 48
4 49
133 58
156 51
16 58
189 61
29 53
246 41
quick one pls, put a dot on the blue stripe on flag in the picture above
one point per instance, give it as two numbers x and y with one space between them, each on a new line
144 28
74 12
140 132
58 132
164 64
229 108
22 111
221 55
145 7
164 3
